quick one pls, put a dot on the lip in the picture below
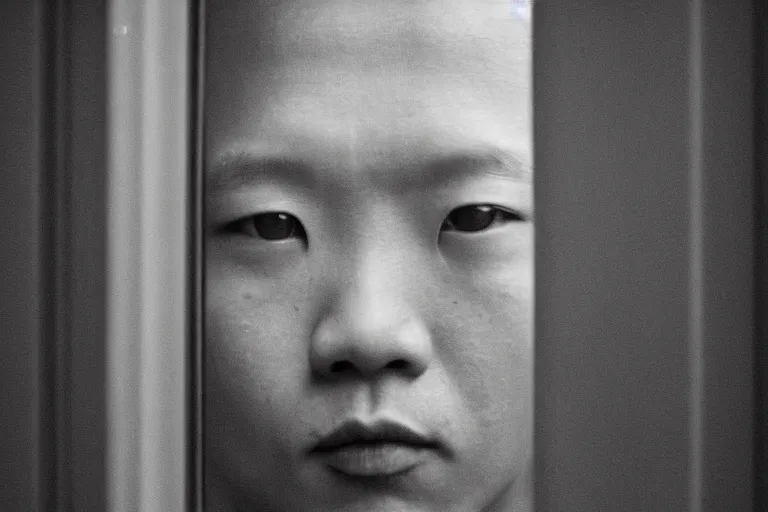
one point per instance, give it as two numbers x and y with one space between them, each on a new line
379 449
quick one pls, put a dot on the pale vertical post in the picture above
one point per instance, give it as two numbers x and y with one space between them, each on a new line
147 246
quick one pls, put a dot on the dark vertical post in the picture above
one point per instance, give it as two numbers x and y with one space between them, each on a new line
196 307
644 255
25 450
86 165
761 254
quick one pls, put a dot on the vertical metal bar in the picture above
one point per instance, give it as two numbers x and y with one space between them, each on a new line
727 276
147 244
696 290
761 255
85 390
54 252
196 476
123 266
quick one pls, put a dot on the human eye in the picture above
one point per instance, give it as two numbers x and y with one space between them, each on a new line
269 226
477 218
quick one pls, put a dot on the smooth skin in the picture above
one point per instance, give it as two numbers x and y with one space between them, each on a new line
369 249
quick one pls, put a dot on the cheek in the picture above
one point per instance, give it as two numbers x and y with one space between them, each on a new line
487 349
492 356
255 341
256 362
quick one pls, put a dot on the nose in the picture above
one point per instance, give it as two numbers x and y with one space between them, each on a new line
371 330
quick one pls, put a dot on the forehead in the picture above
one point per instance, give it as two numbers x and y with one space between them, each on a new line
322 76
377 30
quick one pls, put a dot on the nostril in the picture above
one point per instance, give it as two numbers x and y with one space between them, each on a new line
341 366
347 366
398 364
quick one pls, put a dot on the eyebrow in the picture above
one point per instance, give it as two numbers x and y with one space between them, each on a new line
495 162
237 169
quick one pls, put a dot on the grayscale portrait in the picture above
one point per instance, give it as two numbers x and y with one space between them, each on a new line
369 256
282 256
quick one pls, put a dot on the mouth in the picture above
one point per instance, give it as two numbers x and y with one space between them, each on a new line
380 449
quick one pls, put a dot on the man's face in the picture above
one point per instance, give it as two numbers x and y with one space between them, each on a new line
369 254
